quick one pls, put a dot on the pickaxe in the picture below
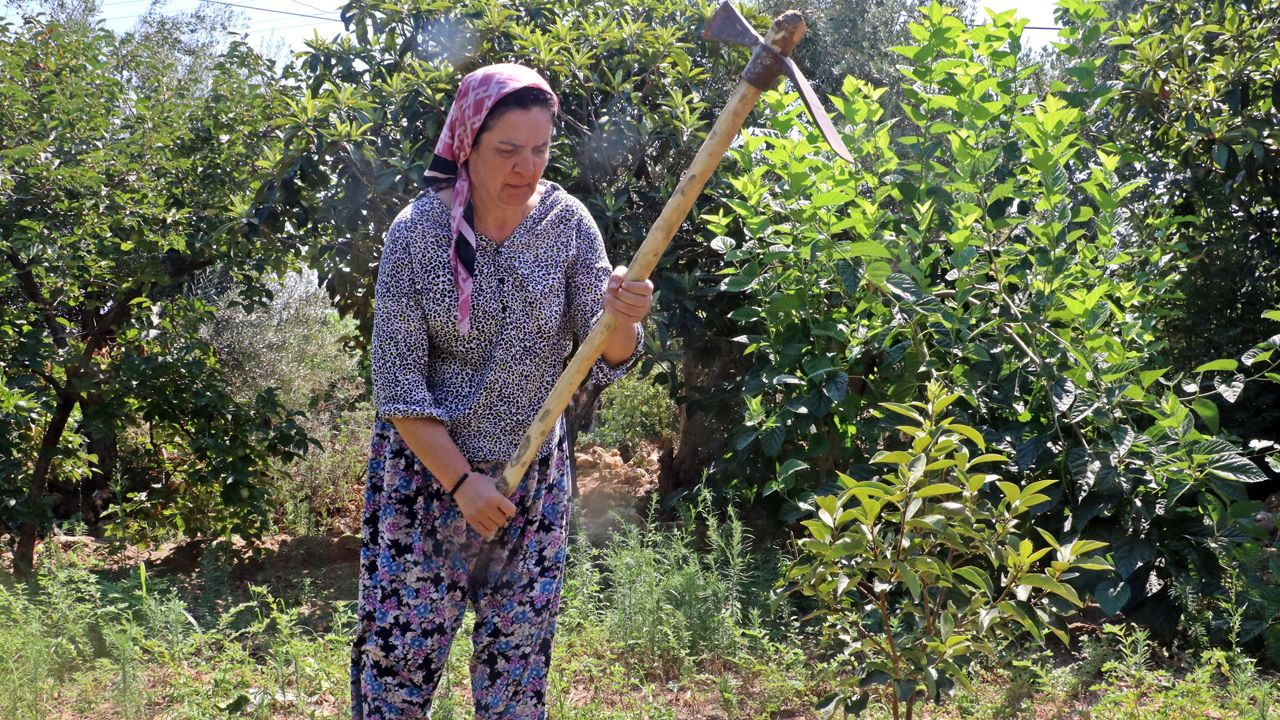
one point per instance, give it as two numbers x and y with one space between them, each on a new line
769 60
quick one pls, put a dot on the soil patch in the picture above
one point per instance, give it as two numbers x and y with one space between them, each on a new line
612 490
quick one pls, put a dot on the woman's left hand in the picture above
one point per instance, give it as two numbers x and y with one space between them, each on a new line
631 300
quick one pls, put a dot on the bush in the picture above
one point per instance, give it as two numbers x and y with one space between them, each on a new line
632 409
991 246
928 567
323 491
296 345
79 645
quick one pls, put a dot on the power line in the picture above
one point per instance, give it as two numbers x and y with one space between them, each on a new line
237 5
261 9
313 7
278 28
245 7
1025 27
251 25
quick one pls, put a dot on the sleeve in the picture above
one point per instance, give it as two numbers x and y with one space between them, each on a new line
588 276
401 349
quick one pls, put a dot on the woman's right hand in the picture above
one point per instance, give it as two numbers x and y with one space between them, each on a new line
485 508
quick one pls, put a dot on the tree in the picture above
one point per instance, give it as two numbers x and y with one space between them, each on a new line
991 250
926 568
636 101
122 182
856 38
1199 98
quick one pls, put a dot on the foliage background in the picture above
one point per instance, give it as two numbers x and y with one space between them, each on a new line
1083 248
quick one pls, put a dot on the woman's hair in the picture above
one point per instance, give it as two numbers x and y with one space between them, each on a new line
523 99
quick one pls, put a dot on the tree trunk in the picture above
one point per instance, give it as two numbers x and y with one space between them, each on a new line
710 375
580 417
25 553
100 429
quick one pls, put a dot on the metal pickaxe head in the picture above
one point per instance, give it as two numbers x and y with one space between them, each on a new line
769 62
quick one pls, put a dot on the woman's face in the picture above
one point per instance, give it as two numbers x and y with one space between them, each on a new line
508 158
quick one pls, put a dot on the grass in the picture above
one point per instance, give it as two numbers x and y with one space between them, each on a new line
661 622
1114 676
652 627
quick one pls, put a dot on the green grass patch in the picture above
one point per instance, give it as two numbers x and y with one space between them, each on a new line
665 621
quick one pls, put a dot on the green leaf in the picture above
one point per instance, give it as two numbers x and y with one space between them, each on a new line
1236 467
1111 594
989 457
1208 413
850 272
1012 492
1256 355
937 489
1044 582
237 704
1147 377
836 385
1225 364
978 578
970 433
878 271
906 410
1224 156
864 248
1063 393
909 577
791 467
830 198
723 244
1234 99
895 457
1229 389
771 440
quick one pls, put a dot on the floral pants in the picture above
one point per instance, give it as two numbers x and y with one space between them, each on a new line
420 564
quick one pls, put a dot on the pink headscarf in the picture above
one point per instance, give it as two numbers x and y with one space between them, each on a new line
477 94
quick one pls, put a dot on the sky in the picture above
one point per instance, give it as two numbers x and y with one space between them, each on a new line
277 27
282 26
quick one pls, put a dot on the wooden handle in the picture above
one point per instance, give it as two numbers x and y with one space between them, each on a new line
783 35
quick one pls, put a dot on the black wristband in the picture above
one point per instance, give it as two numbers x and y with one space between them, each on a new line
458 484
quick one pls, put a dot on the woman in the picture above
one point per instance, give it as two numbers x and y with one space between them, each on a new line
484 285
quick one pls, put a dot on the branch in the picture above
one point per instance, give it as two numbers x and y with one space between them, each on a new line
58 388
27 281
121 307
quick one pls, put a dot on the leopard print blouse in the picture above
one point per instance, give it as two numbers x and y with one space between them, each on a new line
534 296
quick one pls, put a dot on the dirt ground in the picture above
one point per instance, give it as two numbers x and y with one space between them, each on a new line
611 491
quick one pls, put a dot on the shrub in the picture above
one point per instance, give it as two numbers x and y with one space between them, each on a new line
664 598
634 408
296 345
931 565
322 492
991 246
